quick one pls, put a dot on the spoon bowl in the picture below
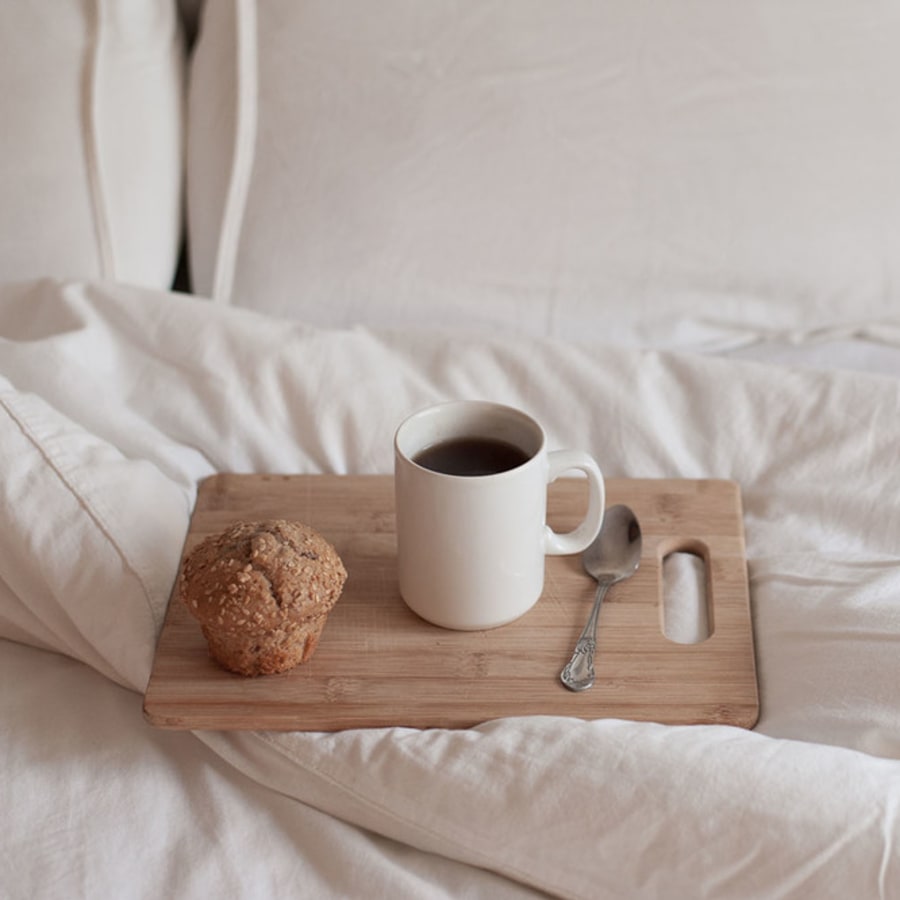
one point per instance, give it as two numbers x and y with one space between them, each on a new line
613 556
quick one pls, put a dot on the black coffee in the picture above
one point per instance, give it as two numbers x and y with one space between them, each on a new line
471 456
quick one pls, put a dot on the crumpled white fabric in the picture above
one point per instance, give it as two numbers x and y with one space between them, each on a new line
114 401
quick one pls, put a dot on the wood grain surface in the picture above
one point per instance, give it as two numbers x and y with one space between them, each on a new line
378 664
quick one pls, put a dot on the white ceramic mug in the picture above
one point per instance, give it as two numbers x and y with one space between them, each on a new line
470 548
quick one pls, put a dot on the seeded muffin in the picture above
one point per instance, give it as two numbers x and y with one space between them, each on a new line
262 592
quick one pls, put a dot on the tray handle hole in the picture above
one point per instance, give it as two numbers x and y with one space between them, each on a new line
685 609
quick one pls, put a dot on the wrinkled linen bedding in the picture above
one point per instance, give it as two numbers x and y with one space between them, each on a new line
113 403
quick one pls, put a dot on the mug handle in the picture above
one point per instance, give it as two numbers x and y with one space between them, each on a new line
578 539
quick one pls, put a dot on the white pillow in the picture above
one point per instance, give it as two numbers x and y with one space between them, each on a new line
91 146
561 168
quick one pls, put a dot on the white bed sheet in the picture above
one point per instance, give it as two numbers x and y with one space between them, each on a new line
114 401
107 806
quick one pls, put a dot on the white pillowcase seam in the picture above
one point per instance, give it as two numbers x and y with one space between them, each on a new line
244 150
92 145
7 403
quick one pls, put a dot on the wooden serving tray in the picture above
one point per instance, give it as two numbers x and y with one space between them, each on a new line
378 664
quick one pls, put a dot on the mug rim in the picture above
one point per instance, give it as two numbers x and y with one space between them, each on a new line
474 406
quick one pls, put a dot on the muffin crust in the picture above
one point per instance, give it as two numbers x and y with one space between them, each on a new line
261 592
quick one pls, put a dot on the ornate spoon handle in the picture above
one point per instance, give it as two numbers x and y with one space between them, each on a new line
578 674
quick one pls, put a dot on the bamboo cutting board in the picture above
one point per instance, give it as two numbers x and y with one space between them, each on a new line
378 664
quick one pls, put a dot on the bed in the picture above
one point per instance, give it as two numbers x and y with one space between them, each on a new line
670 232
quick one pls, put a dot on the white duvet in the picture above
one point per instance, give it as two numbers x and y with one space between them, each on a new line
114 402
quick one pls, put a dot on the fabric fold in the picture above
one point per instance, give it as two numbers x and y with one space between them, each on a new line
109 415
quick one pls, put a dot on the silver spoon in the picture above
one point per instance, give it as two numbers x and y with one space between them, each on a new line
613 556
